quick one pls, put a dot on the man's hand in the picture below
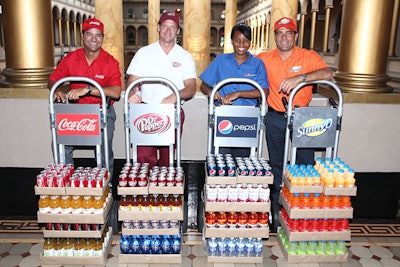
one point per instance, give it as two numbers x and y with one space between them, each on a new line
75 94
59 96
288 84
171 99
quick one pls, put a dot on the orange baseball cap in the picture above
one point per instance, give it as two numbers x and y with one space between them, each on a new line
288 23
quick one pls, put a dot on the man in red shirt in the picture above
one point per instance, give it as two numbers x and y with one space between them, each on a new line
93 62
287 66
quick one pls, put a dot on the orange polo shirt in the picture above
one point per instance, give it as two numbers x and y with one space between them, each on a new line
301 61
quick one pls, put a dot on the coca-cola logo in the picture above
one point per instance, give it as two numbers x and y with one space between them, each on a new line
78 124
152 123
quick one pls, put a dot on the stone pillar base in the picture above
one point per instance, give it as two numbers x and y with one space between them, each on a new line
32 78
362 83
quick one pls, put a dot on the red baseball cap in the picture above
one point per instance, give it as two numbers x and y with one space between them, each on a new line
169 15
93 23
288 23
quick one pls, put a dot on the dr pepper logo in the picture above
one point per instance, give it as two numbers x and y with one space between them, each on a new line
152 123
78 124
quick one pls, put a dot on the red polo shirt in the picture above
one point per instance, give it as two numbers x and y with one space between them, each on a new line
104 70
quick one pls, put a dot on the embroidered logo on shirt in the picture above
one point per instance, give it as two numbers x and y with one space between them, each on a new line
295 69
249 74
99 76
176 64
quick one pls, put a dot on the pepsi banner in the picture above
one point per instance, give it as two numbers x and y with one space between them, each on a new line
236 126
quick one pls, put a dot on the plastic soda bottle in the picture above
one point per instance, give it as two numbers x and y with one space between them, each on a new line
292 249
301 247
242 220
321 247
258 247
144 203
176 244
212 246
176 203
134 203
222 219
165 203
166 245
250 247
231 247
232 219
295 203
211 219
340 247
331 247
311 247
240 247
88 248
44 204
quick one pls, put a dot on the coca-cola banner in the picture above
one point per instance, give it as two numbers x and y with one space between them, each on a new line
152 124
78 124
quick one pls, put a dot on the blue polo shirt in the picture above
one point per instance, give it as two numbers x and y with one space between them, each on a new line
225 66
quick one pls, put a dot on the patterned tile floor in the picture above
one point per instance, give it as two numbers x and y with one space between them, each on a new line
370 246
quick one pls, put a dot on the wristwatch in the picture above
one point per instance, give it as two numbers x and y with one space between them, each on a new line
304 77
90 89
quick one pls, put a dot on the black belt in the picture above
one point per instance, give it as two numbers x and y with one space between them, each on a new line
275 111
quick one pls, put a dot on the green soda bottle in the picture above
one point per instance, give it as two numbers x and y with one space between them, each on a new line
311 247
292 250
301 247
321 247
341 247
331 248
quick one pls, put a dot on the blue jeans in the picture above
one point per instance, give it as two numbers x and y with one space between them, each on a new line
111 117
275 132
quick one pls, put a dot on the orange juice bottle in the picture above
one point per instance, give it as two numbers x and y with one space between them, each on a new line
78 247
58 248
76 205
88 248
48 247
65 205
306 200
98 248
87 205
68 248
98 205
44 204
55 204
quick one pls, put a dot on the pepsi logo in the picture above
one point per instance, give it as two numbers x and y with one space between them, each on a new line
225 127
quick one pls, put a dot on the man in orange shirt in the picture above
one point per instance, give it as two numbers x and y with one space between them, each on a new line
287 66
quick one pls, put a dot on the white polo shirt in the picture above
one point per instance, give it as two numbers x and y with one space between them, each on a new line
151 60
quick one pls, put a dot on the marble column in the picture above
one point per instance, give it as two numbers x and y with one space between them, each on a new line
281 8
364 45
154 17
28 43
230 21
196 33
110 13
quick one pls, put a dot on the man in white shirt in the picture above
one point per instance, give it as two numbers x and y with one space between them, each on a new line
166 59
